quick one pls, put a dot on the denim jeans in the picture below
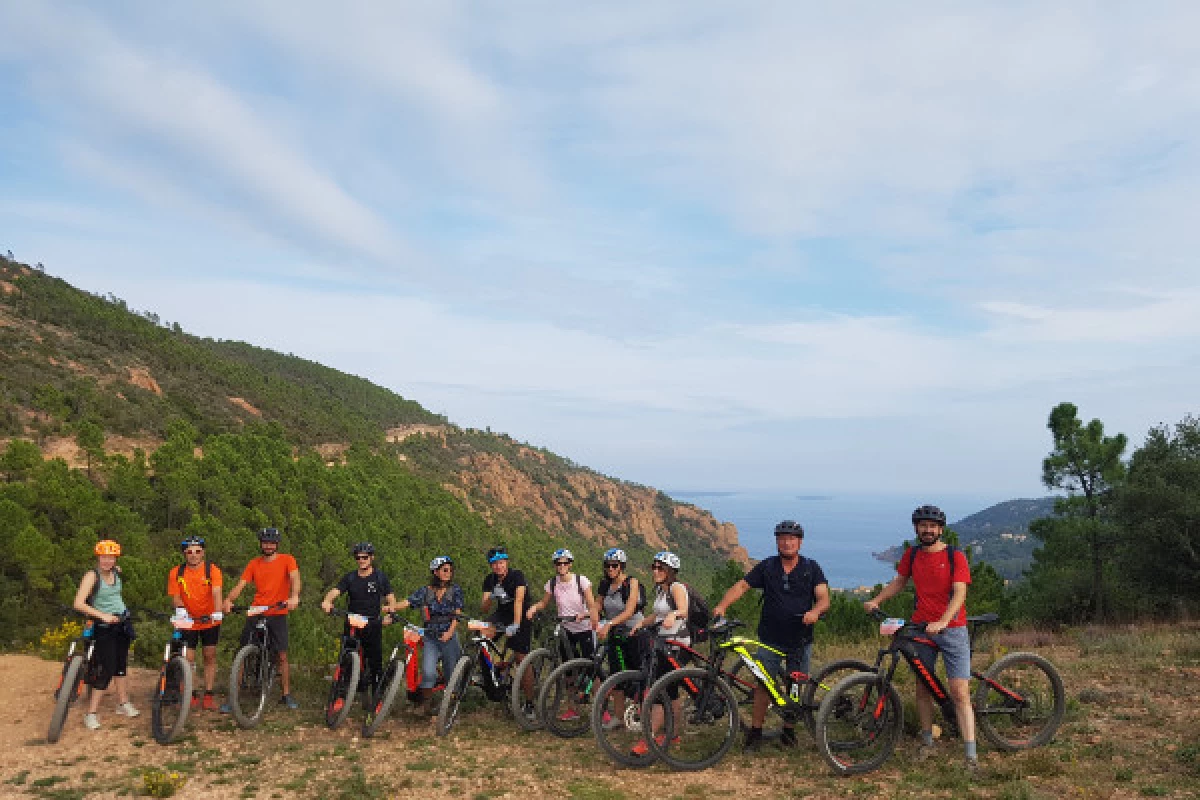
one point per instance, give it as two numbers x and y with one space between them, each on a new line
434 650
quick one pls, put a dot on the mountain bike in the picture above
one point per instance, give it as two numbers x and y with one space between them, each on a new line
624 692
554 650
483 656
77 669
1019 701
348 669
397 672
253 669
565 699
711 717
173 691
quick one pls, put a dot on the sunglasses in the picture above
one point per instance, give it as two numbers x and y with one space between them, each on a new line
362 558
562 563
445 566
193 552
612 566
657 567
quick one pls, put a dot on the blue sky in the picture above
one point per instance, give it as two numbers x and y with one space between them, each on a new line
849 247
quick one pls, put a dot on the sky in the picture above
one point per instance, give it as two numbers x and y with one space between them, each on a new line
811 247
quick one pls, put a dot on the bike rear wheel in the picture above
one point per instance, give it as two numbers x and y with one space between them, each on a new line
456 688
172 700
706 725
859 724
1020 702
389 687
820 685
67 693
249 682
342 689
621 696
565 701
539 664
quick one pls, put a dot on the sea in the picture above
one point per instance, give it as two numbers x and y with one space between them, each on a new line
841 531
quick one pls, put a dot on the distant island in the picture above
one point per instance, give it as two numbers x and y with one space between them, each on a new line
998 535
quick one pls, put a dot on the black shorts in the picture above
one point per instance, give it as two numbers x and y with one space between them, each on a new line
278 627
521 641
202 638
110 656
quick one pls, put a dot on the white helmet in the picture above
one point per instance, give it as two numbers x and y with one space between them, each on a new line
439 561
668 558
616 554
561 554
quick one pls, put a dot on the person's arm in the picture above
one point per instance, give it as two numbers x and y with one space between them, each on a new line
294 599
457 600
327 600
680 596
820 607
177 601
216 594
958 596
518 603
887 593
234 593
732 595
537 607
81 600
485 603
389 602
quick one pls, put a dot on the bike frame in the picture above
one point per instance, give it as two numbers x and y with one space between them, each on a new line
740 646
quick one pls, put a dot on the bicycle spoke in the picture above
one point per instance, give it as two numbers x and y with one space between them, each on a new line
1020 702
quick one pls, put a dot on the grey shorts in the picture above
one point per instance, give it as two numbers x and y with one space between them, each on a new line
955 646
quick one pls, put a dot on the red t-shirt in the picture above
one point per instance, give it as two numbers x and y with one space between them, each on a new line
271 582
195 591
930 574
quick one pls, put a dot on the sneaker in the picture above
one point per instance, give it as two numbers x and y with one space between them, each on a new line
226 708
210 703
290 702
640 748
91 722
127 709
195 702
925 751
568 715
753 741
787 738
972 766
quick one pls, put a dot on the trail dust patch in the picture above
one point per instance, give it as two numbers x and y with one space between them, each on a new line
245 406
141 377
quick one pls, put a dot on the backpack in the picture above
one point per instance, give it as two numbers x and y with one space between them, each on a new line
910 554
606 584
96 586
178 573
699 613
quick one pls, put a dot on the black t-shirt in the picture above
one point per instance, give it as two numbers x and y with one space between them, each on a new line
785 599
513 579
364 595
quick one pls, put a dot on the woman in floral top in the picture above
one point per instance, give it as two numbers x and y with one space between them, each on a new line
441 602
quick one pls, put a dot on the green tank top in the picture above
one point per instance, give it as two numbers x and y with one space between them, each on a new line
107 598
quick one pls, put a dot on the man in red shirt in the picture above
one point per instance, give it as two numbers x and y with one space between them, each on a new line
195 590
941 589
276 579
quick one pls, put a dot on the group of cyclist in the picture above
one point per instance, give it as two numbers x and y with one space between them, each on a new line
795 593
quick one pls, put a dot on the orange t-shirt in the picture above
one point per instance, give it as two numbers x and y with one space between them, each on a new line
194 591
271 582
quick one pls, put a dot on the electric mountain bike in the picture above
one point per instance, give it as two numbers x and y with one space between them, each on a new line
173 691
483 663
1019 701
253 669
554 650
709 724
348 669
397 672
77 670
566 697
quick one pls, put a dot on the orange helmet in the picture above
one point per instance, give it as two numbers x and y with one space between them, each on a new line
108 547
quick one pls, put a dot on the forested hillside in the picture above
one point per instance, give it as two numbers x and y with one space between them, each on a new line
117 424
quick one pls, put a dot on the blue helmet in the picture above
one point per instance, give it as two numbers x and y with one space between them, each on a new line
562 554
616 554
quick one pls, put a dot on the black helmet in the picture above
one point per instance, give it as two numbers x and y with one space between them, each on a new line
363 547
191 541
931 513
789 526
269 535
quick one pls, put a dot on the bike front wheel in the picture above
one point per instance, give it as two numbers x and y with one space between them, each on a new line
342 689
249 681
617 719
820 685
699 725
456 688
527 682
859 723
66 695
565 701
1020 702
389 687
172 699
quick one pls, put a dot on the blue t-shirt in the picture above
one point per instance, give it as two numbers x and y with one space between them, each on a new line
786 598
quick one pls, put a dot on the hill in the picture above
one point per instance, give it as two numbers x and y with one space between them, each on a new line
155 428
998 534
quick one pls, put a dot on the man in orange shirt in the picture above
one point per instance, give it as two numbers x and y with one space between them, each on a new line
276 579
195 589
